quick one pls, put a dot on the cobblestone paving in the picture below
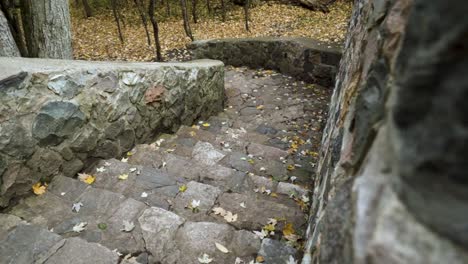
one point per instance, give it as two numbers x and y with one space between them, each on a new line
230 189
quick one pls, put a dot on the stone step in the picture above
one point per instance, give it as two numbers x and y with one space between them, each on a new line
167 236
24 243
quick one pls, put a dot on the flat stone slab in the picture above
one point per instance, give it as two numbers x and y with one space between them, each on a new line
205 194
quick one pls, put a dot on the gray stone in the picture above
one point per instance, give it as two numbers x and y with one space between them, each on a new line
260 209
159 229
26 243
197 238
276 252
8 222
245 243
57 121
204 193
76 250
64 86
72 167
289 188
205 153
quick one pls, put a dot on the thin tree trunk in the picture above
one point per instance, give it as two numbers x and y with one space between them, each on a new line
188 30
45 39
155 29
223 10
246 14
168 9
117 20
87 8
208 6
139 6
8 46
194 11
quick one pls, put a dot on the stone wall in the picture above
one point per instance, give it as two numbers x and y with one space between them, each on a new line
302 58
391 185
58 115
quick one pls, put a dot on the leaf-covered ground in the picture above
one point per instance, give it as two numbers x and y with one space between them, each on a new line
96 38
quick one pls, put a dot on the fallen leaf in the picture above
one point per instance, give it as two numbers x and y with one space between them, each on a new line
182 188
133 169
144 194
102 226
123 177
129 153
125 160
78 228
291 260
100 169
86 178
288 229
260 107
291 167
193 133
230 217
221 248
128 226
206 124
107 164
269 227
77 206
243 205
219 211
205 259
39 188
261 234
260 259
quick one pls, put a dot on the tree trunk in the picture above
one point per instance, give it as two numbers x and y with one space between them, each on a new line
139 6
246 14
155 29
208 6
117 19
168 9
87 9
194 11
188 30
47 28
223 10
13 15
8 46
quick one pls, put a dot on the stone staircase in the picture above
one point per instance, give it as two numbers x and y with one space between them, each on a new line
230 189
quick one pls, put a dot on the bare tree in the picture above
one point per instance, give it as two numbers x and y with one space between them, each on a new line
246 14
45 39
223 10
117 19
188 30
151 7
87 8
194 11
139 6
208 6
168 8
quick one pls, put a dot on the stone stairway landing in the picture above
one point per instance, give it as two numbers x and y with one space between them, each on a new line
230 189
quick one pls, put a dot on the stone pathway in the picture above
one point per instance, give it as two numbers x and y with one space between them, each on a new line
231 189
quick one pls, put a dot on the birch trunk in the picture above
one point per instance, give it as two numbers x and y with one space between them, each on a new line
8 46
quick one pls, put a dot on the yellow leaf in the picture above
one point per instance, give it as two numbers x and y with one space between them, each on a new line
251 161
129 153
269 227
260 107
182 188
193 133
39 189
274 195
86 178
123 176
206 124
291 167
259 259
288 229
